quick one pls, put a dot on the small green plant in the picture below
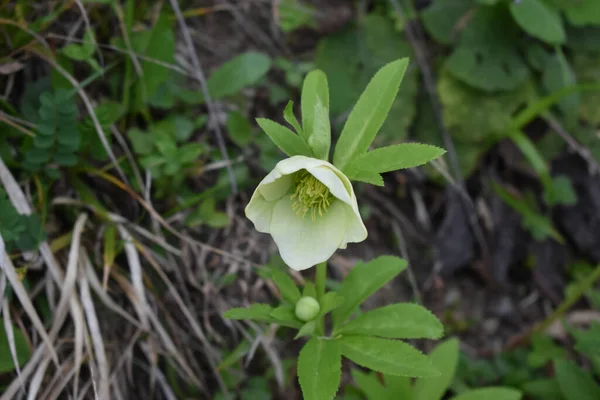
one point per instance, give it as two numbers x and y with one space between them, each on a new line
22 232
309 207
445 357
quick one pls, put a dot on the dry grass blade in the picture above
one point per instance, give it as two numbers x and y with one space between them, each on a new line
137 281
18 288
10 336
187 37
38 377
95 333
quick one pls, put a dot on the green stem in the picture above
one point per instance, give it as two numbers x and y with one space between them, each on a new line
320 277
569 301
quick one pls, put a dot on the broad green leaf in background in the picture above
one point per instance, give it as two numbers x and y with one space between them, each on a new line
574 382
370 385
442 19
239 128
157 43
236 74
207 214
490 393
558 74
288 289
445 359
543 389
364 280
540 19
22 349
388 356
585 65
80 52
352 57
588 341
320 369
294 14
399 321
582 12
392 158
544 350
488 56
290 143
369 113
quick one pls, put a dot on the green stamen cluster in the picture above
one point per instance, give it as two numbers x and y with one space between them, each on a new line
310 195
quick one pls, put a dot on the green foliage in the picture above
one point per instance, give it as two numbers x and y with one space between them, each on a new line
294 14
316 130
490 393
236 74
239 128
22 348
401 320
368 114
574 382
23 232
290 143
364 280
540 19
320 369
350 59
57 136
445 359
207 214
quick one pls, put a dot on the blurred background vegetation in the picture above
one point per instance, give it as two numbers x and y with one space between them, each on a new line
129 148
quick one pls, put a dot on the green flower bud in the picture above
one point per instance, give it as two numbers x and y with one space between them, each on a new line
307 308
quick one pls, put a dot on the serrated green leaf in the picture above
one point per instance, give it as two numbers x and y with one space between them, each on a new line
372 178
445 359
288 289
320 135
574 382
540 19
290 143
364 280
285 315
239 128
290 118
391 158
391 357
369 113
307 329
241 71
320 369
260 312
329 302
396 321
490 393
22 348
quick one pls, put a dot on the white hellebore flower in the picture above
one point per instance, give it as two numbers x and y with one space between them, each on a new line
309 208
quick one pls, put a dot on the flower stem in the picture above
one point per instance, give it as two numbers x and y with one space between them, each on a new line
320 277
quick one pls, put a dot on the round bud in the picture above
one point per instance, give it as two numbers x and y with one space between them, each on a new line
307 308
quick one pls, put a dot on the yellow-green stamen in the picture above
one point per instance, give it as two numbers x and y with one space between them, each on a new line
310 195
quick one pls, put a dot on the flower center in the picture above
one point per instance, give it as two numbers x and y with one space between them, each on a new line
310 195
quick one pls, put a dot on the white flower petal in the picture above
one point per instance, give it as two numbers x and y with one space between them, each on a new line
260 211
355 228
303 242
330 179
296 163
277 188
